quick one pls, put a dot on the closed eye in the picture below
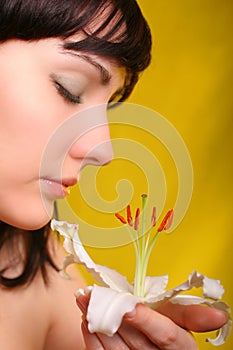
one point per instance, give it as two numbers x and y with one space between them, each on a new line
66 94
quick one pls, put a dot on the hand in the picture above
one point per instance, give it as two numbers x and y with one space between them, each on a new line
146 329
194 318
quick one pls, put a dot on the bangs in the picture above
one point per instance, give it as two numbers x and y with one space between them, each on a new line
115 30
110 28
118 31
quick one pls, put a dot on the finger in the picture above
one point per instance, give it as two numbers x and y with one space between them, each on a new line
114 343
91 340
197 318
160 330
98 341
82 302
135 339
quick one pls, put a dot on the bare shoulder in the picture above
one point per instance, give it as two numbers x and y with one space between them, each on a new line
24 316
41 317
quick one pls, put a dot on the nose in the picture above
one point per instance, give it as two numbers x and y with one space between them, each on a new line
94 147
82 139
92 143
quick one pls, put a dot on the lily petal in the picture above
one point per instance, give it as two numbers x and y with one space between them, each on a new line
73 245
114 279
195 280
67 231
186 299
155 286
107 308
68 260
223 332
212 288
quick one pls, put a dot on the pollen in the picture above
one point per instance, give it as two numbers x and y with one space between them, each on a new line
121 218
153 217
136 222
129 216
167 221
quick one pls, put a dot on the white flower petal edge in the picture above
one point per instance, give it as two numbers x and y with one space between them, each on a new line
114 298
107 308
78 254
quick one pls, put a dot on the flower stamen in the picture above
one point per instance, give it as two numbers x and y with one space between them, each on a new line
143 239
153 217
129 216
136 222
121 218
167 221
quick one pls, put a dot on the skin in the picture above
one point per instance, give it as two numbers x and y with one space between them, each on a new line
32 109
146 329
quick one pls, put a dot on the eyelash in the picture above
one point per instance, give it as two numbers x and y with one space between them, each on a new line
67 95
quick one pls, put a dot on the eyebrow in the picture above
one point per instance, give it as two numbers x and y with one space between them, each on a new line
104 73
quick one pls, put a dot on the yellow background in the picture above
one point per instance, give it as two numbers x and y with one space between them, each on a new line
190 83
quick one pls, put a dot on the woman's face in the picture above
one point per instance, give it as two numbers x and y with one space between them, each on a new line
42 146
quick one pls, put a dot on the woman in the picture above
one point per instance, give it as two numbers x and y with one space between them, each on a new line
59 58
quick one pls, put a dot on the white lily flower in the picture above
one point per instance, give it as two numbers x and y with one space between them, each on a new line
114 296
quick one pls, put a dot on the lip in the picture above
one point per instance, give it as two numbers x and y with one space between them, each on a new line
67 182
56 189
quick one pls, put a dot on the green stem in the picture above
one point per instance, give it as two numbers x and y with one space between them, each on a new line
147 256
134 240
148 238
136 243
137 276
143 241
145 263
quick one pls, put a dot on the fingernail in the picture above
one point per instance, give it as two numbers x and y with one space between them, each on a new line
130 315
222 315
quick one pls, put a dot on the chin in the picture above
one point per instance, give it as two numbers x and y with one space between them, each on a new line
34 224
29 225
28 219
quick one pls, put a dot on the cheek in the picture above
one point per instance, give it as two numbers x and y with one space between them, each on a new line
28 119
